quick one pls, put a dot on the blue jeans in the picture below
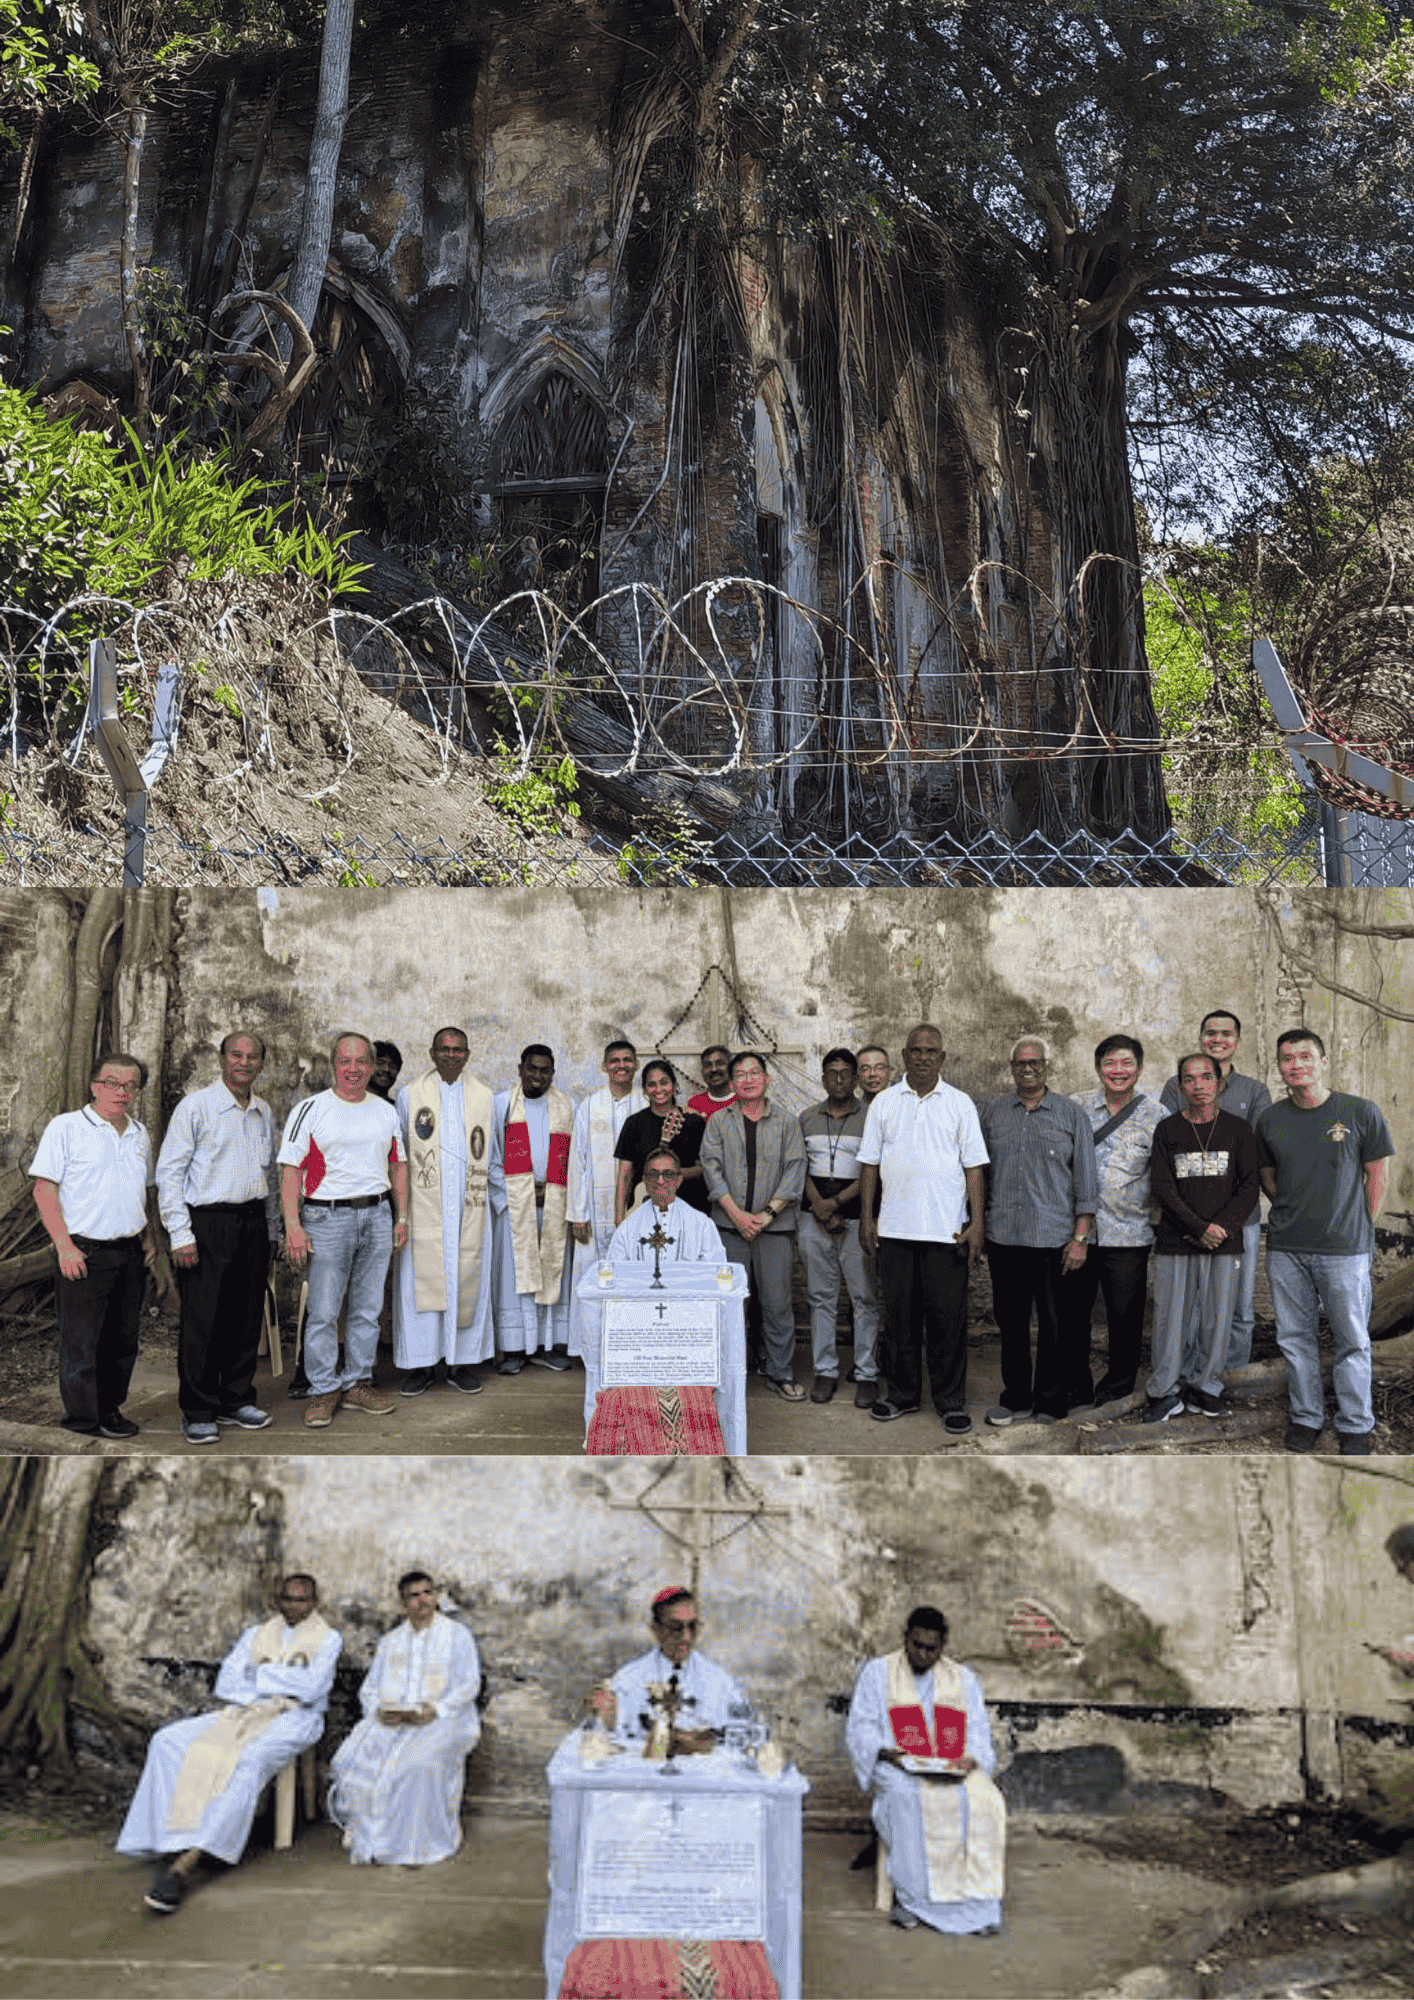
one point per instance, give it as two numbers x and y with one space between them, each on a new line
349 1250
1301 1283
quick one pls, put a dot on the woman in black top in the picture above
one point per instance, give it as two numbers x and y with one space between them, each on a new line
664 1123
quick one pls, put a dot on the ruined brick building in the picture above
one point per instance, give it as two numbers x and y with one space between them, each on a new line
547 267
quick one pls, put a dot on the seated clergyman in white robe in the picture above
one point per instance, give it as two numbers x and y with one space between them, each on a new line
703 1697
944 1828
442 1299
398 1777
598 1121
695 1239
203 1777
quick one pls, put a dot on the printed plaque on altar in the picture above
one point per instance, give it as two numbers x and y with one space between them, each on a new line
674 1865
659 1342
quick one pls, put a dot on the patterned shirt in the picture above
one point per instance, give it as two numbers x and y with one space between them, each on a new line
1122 1219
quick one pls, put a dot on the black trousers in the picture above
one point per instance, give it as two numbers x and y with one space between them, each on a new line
100 1317
1121 1275
926 1281
223 1299
1023 1278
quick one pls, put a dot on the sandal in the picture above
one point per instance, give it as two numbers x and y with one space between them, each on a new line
791 1391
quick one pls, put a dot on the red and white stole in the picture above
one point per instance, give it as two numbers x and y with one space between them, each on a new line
539 1244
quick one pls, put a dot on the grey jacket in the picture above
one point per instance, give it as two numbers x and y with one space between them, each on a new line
780 1163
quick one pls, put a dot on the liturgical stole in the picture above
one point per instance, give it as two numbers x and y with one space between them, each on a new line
429 1276
213 1756
539 1246
964 1825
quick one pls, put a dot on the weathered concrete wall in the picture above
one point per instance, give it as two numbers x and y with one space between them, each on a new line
1217 1605
36 1007
815 968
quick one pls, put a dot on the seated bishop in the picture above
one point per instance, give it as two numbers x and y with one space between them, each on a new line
692 1237
920 1741
671 1697
203 1777
398 1778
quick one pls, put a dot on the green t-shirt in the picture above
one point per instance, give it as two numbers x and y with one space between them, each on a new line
1320 1158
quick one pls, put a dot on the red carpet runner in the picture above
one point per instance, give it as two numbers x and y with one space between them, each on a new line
653 1421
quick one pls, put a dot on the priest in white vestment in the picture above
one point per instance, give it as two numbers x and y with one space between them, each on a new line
703 1697
442 1299
398 1777
203 1777
920 1741
529 1187
695 1237
598 1122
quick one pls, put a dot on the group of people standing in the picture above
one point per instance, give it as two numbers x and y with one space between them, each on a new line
495 1203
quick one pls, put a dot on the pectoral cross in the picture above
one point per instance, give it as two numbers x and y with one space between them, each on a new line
657 1242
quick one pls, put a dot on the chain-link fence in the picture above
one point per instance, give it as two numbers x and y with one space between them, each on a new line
1309 855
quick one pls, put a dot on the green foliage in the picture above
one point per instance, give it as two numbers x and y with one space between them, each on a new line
538 803
41 60
82 515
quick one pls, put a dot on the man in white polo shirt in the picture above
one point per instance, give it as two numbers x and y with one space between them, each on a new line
91 1174
923 1141
216 1191
341 1152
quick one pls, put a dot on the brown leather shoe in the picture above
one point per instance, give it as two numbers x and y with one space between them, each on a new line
866 1395
823 1388
319 1411
363 1396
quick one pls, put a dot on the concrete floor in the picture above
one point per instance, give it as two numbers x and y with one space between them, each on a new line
304 1925
541 1413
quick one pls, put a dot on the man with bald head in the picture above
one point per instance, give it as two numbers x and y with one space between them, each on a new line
341 1157
923 1146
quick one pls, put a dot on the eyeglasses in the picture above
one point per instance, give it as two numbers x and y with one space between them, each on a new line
680 1626
131 1086
1028 1062
663 1174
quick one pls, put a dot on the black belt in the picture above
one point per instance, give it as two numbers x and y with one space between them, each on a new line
105 1242
346 1201
227 1207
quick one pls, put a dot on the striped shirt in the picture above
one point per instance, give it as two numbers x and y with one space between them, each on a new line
102 1175
215 1151
1043 1170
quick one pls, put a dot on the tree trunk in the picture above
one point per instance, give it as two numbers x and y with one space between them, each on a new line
140 994
331 109
101 918
127 267
1090 691
46 1545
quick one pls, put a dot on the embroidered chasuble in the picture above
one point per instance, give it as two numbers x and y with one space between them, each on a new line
426 1143
212 1757
538 1237
965 1850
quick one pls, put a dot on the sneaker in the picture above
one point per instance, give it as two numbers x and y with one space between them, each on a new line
957 1423
903 1919
884 1413
1112 1392
511 1364
116 1425
1356 1444
363 1396
466 1379
246 1417
866 1394
200 1430
822 1389
166 1893
416 1382
1001 1416
1158 1409
553 1358
1203 1403
319 1410
1302 1437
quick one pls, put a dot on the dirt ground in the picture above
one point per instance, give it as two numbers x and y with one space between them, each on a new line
1126 1907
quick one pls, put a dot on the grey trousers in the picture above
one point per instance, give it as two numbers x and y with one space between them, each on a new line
1193 1302
769 1262
827 1260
